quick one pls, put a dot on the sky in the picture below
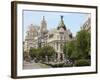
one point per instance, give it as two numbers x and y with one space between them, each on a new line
72 20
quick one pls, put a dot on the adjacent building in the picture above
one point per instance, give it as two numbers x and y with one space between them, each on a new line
87 25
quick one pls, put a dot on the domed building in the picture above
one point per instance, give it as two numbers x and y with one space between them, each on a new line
58 37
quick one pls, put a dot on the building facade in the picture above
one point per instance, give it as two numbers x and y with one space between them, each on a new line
87 25
58 38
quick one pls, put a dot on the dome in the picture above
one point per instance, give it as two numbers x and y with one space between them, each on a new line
61 24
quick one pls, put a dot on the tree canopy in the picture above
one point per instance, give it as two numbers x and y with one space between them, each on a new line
41 53
79 48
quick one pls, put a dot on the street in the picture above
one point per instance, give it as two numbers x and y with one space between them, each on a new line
33 65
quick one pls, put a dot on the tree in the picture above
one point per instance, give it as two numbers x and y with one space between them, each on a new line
83 43
48 51
70 50
42 53
33 52
79 48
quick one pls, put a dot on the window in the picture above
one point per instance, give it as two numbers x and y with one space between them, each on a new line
61 47
57 36
61 37
64 37
57 45
61 32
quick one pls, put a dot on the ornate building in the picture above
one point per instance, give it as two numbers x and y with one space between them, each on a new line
58 37
36 36
39 36
30 36
87 25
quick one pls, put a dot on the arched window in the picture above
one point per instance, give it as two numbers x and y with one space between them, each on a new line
61 47
61 37
57 45
64 37
58 37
